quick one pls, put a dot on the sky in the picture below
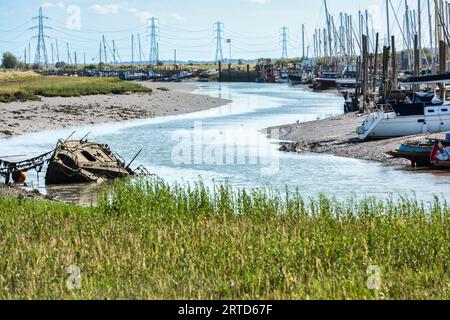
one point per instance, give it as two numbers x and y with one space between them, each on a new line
185 25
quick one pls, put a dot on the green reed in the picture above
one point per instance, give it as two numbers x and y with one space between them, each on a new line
149 240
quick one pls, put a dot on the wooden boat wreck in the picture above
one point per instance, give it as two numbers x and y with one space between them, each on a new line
84 162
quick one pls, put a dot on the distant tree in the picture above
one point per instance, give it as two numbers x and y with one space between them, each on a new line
60 64
90 67
9 61
160 63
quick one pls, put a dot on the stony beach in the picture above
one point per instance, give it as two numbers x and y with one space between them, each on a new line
337 136
53 113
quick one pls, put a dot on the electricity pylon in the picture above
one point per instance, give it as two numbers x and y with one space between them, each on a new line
284 41
218 36
154 37
41 58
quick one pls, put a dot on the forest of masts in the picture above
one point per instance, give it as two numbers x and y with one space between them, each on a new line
341 40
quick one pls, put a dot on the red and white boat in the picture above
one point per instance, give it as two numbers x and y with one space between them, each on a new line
440 156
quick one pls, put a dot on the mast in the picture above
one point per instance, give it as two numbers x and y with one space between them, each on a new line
329 28
419 30
430 21
303 41
388 23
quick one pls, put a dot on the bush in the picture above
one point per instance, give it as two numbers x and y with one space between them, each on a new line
9 61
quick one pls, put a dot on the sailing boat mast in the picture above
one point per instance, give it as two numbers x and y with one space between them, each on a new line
419 31
388 23
430 21
329 29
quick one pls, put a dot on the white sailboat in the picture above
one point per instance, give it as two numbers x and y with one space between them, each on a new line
417 113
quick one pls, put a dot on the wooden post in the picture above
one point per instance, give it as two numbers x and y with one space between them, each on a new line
394 64
416 56
220 71
365 72
248 72
442 66
386 72
416 60
375 69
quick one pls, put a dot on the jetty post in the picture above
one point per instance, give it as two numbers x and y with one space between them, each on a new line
365 74
375 67
386 79
394 60
442 66
416 60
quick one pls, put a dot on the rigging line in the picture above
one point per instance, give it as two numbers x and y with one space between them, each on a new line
401 31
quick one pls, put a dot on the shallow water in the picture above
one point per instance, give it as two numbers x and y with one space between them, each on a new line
225 145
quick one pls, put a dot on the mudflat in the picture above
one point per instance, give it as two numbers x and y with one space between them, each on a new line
53 113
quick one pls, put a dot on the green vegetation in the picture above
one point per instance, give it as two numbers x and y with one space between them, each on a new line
146 240
9 61
25 86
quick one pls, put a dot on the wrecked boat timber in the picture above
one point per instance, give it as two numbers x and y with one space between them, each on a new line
84 162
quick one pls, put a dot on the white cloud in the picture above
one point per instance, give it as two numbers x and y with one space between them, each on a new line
177 17
143 16
105 8
133 10
48 5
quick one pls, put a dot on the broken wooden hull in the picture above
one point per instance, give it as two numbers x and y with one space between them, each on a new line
83 162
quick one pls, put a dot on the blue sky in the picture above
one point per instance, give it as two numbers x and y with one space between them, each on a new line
253 25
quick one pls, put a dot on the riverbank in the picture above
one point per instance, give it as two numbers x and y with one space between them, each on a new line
337 136
53 113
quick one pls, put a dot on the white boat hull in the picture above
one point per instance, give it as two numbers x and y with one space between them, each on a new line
388 125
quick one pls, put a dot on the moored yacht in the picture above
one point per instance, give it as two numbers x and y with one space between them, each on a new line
326 81
416 113
348 78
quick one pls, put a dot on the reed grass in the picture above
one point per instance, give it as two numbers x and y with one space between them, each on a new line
26 86
147 240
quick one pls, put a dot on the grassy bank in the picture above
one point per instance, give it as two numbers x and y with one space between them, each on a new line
29 86
151 241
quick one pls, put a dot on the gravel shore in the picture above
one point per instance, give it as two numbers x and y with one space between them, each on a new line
337 136
53 113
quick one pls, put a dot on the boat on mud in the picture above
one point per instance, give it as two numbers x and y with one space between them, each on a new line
419 153
80 161
326 81
408 112
440 156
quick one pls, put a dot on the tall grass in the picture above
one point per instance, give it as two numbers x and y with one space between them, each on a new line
23 87
148 240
